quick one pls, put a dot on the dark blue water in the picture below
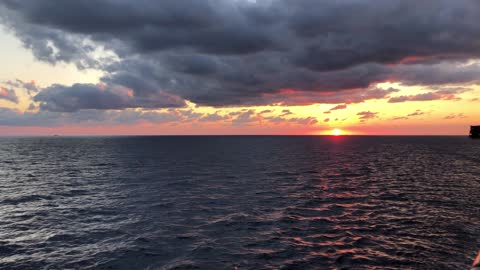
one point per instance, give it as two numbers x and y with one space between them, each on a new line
246 202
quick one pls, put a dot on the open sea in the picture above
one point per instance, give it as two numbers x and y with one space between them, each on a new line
239 202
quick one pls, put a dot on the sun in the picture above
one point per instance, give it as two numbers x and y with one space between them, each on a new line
336 132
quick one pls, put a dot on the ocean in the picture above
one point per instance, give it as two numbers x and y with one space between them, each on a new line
239 202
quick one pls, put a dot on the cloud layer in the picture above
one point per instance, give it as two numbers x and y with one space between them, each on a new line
58 98
94 117
238 52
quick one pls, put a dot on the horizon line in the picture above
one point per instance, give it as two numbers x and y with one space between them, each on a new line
238 135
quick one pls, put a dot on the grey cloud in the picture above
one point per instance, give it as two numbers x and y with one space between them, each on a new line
266 111
93 117
310 97
10 117
286 112
213 26
366 115
30 87
345 33
441 95
213 117
454 116
438 74
328 34
227 53
338 107
246 117
306 121
58 98
416 113
8 94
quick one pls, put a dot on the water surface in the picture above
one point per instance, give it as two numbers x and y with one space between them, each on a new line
252 202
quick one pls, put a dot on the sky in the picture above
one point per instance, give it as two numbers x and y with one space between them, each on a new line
293 67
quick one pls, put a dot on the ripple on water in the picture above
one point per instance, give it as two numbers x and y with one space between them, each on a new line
250 202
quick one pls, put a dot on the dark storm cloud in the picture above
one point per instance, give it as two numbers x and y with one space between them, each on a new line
438 73
212 26
346 33
238 52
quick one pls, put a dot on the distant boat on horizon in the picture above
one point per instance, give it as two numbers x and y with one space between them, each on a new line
475 132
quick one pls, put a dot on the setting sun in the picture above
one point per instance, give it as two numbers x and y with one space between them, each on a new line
336 132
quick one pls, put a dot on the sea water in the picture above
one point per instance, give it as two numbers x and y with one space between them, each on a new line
252 202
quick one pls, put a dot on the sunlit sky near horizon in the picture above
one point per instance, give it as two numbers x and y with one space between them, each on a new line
239 67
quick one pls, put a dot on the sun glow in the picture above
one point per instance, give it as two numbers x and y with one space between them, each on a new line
336 132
